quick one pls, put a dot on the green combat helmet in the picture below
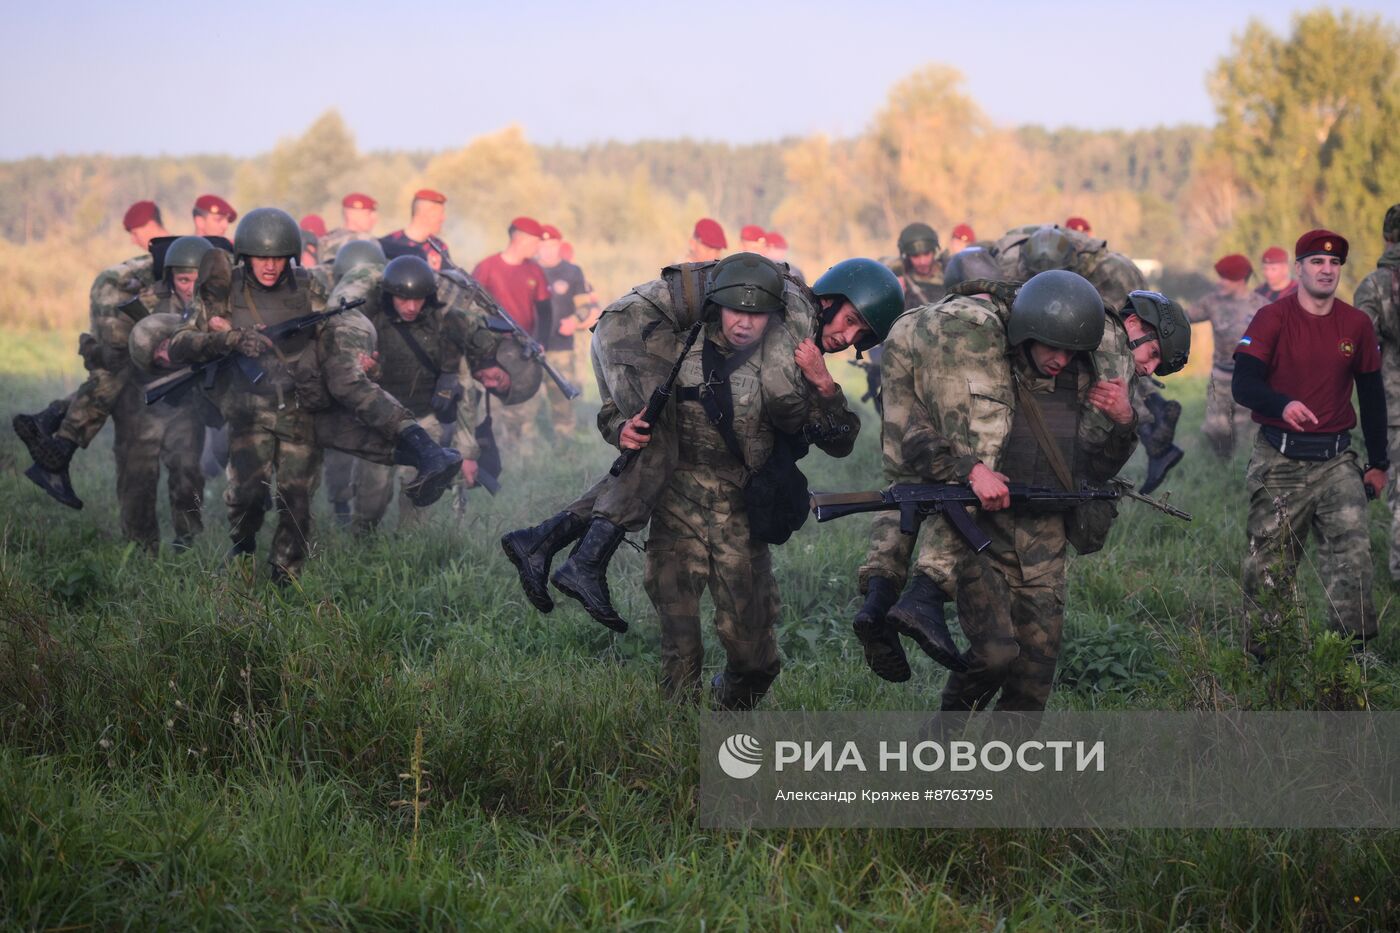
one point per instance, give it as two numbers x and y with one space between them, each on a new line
409 277
185 253
1390 227
267 232
871 288
1047 248
971 262
747 282
354 255
917 239
1059 309
526 375
1172 328
149 333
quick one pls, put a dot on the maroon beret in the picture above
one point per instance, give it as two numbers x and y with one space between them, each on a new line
139 214
359 202
527 225
964 232
550 232
213 204
1234 268
428 194
566 251
710 233
753 233
776 239
1275 254
1323 242
1080 224
313 223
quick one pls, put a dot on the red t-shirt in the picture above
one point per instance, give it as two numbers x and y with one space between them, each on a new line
517 288
1313 359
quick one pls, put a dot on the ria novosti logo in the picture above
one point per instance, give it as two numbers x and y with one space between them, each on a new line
740 756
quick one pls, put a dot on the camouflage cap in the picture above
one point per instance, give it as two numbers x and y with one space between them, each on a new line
147 336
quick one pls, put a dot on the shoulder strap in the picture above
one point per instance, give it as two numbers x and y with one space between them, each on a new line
1031 407
402 329
717 398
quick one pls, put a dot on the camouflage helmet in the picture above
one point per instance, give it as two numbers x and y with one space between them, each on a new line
1045 249
970 262
917 239
1059 309
1172 328
268 232
525 373
147 336
747 282
354 255
409 277
871 288
1390 229
186 252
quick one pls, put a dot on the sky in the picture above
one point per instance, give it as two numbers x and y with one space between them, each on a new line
168 78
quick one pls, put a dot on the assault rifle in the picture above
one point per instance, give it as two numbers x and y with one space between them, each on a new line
659 397
1126 488
182 379
914 500
528 344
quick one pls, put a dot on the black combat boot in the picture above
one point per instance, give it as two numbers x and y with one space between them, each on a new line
36 427
1162 454
1165 414
56 483
1158 467
738 692
242 546
437 466
584 576
532 550
919 615
883 651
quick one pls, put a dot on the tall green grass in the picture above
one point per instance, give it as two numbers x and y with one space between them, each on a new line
184 747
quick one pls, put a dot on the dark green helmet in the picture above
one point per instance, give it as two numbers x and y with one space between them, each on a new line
1169 321
747 282
970 262
409 277
1059 309
1048 248
355 254
917 239
267 231
871 288
186 252
1390 229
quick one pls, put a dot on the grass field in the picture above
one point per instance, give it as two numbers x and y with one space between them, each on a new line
184 748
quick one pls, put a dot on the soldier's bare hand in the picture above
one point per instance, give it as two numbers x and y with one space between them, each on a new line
220 325
1111 398
1375 480
162 355
369 362
1299 416
469 470
636 433
568 326
810 359
990 488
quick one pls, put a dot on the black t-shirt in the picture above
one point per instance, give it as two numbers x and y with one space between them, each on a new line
566 283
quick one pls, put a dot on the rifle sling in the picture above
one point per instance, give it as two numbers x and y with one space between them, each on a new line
1042 435
416 348
715 395
253 310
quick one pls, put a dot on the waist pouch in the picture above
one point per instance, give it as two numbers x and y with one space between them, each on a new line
1297 446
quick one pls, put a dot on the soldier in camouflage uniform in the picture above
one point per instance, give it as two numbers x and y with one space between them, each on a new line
1229 310
635 344
272 435
919 266
737 387
1296 368
120 296
1379 296
1050 343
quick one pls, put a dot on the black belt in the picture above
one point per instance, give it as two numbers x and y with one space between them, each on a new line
1298 446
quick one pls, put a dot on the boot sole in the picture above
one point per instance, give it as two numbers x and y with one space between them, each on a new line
540 600
426 490
949 659
894 667
562 585
1174 456
27 429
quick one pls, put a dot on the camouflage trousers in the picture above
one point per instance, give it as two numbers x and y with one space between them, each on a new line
1392 499
1226 420
1011 608
1288 500
339 477
374 483
890 551
700 538
517 427
148 437
271 450
561 410
92 404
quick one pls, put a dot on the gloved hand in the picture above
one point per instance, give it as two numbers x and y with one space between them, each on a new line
446 394
246 341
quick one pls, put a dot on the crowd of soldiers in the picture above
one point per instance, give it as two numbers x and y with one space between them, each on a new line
1021 371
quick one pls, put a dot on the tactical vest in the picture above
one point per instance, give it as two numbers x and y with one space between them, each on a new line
251 305
412 356
1022 458
709 393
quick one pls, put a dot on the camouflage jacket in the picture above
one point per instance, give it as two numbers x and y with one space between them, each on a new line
1229 316
332 242
1379 296
109 326
1112 274
950 393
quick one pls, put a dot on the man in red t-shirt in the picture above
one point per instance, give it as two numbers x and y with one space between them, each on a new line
519 285
1295 368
